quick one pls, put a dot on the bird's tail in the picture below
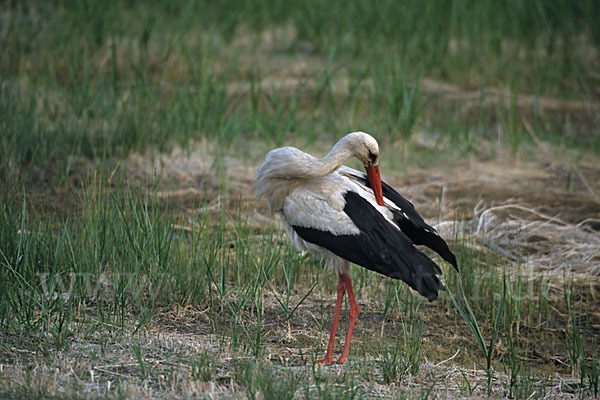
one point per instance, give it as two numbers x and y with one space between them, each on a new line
422 275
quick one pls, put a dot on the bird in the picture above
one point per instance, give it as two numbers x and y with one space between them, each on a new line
345 216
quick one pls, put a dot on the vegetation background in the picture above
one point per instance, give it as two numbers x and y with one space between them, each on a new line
135 260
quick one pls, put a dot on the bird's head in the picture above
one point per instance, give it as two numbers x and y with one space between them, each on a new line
366 149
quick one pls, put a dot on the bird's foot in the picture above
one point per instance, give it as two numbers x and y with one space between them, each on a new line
341 360
324 361
343 356
329 360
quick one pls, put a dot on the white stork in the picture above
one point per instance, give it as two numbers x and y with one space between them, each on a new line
345 216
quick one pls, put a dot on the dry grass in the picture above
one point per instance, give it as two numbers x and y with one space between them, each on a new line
542 217
538 215
93 366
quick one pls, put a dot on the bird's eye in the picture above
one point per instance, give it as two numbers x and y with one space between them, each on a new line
372 157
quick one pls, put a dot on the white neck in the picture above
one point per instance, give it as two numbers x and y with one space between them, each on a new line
337 156
287 167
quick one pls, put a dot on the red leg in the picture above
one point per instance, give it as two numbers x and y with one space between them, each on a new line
353 314
341 288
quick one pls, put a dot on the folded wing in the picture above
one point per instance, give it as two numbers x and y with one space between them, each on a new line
407 218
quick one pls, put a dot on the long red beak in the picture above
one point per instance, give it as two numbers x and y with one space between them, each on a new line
375 181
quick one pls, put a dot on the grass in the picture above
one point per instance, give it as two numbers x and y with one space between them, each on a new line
486 348
107 266
107 90
122 262
405 356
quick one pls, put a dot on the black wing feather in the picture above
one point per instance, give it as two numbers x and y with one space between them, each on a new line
379 247
413 225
